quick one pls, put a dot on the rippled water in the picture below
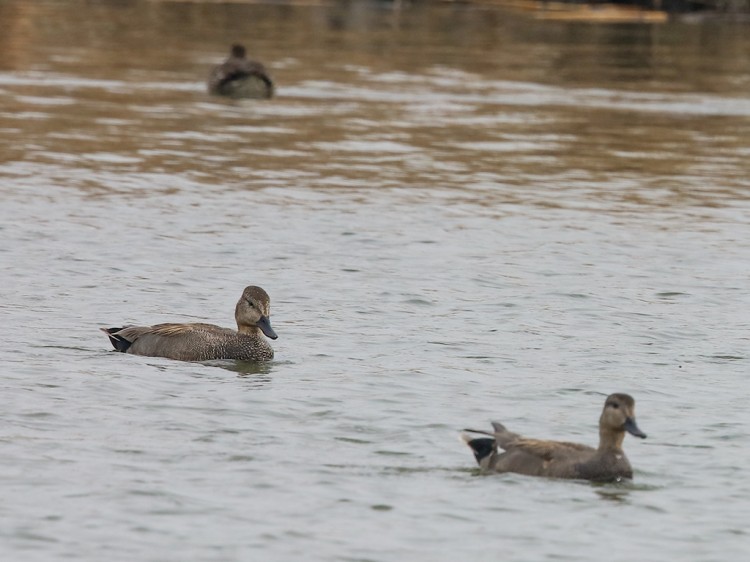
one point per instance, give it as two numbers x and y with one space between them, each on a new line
460 215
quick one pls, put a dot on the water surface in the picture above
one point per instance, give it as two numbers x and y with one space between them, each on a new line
460 215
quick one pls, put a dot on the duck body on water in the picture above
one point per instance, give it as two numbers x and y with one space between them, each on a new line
239 77
559 459
204 342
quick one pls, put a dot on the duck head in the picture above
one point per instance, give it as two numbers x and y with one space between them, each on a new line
618 417
238 51
253 312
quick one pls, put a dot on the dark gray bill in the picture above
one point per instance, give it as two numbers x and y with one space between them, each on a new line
265 326
632 428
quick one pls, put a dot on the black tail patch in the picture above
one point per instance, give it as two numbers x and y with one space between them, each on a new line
118 342
482 447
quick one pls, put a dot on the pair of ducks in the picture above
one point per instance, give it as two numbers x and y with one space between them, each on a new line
555 459
239 77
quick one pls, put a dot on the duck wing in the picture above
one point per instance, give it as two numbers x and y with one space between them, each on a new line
185 342
177 330
547 450
504 437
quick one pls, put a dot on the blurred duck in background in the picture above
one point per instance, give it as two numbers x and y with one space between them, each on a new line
237 77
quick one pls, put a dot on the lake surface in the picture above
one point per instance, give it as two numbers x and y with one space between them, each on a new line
460 214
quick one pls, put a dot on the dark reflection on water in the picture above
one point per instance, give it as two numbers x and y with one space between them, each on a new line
620 492
618 496
254 371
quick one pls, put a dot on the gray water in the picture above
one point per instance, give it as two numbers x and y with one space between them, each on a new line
460 214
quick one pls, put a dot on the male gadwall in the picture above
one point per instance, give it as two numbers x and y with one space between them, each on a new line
558 459
238 77
202 342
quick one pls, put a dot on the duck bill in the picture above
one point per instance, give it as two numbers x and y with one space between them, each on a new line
265 326
631 427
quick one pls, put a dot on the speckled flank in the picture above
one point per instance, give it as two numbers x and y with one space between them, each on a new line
202 342
559 459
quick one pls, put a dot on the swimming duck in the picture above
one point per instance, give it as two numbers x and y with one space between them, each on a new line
558 459
238 77
203 342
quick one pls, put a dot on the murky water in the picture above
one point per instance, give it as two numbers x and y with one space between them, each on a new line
460 215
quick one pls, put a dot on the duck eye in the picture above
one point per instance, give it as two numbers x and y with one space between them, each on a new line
251 304
615 405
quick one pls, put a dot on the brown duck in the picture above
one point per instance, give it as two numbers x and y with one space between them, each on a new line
203 342
558 459
239 77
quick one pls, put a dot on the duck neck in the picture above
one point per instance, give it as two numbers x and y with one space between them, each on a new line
610 440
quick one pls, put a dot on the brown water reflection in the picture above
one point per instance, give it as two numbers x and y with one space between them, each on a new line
450 96
123 37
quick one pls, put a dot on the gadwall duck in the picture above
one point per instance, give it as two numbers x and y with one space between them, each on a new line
238 77
558 459
203 342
